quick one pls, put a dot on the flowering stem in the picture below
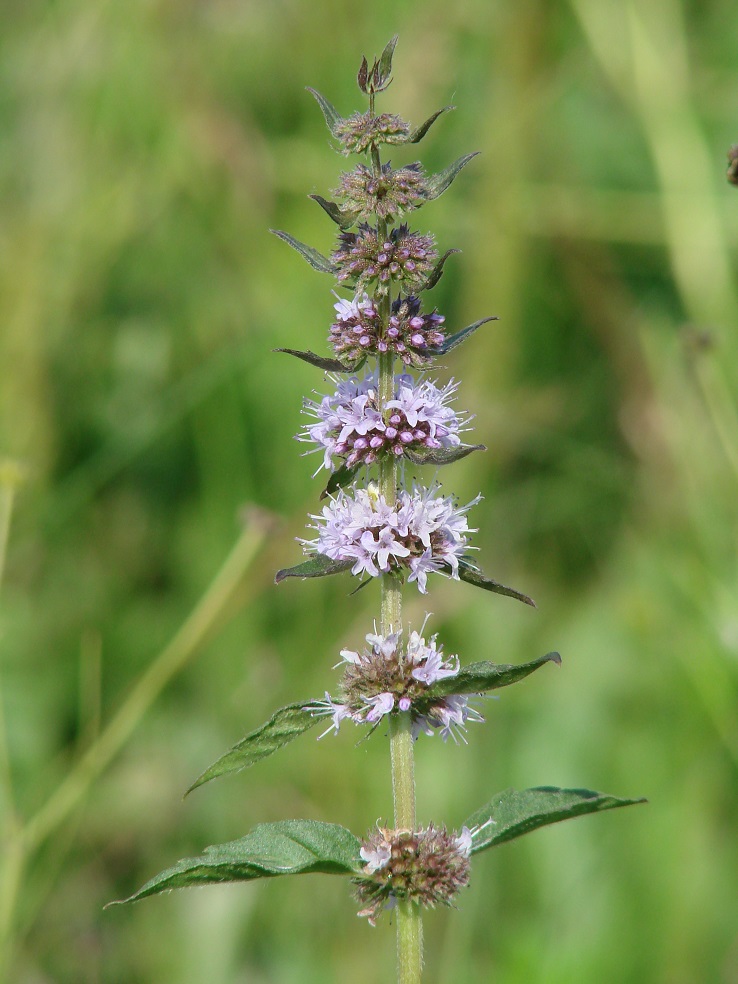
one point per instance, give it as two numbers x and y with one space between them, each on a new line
409 921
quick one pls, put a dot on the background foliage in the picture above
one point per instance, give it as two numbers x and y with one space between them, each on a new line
145 149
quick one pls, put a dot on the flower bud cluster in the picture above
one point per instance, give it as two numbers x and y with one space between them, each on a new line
359 131
404 258
385 195
427 866
387 678
410 334
422 532
351 427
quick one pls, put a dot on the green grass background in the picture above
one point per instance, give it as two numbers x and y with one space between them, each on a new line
145 149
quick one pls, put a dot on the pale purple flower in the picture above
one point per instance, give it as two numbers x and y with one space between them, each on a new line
465 838
376 855
423 531
422 566
451 715
380 705
350 427
464 842
386 645
430 664
358 306
329 708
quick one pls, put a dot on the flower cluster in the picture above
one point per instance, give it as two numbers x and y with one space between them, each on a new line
413 336
387 678
385 195
428 866
351 427
361 130
404 257
421 532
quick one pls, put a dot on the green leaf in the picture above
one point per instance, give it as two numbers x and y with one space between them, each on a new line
438 183
343 219
330 365
283 726
473 575
461 336
332 117
516 813
477 678
290 847
317 566
340 478
435 274
316 260
442 456
385 61
419 132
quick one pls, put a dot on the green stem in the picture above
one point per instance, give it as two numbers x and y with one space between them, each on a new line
409 918
10 477
409 943
14 855
409 921
14 863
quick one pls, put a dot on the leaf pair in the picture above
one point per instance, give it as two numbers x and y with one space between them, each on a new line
336 365
322 566
291 721
295 847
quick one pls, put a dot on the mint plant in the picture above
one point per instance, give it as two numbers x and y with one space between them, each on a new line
374 525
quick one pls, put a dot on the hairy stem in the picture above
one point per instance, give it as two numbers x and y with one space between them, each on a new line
409 923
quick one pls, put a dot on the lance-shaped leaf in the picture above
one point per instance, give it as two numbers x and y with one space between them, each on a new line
438 183
385 61
461 336
283 726
332 117
341 218
316 259
472 575
340 478
330 365
290 847
419 132
362 76
512 814
478 678
435 275
442 456
317 566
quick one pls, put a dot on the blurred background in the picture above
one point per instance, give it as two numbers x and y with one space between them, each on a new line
147 429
